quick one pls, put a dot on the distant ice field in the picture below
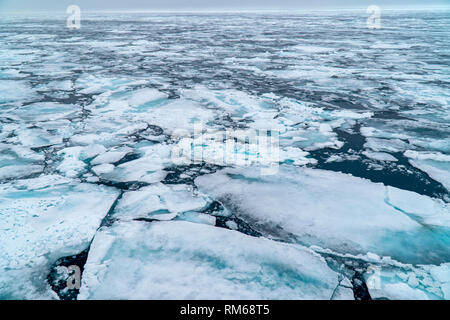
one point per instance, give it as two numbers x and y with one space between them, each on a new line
356 206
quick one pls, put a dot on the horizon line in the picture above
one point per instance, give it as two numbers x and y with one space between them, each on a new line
243 10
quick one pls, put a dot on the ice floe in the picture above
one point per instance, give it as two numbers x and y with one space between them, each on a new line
336 211
41 221
183 260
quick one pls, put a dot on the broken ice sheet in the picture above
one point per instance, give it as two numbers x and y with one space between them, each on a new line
15 92
73 159
435 164
42 220
148 168
407 282
336 211
46 111
18 162
73 105
158 201
183 260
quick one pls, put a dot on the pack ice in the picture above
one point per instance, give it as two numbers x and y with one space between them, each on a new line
336 211
184 260
43 219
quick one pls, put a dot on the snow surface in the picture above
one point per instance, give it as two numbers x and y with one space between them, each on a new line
91 124
335 211
183 260
41 221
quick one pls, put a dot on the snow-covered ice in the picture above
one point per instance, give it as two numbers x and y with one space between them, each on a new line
41 221
183 260
100 141
335 211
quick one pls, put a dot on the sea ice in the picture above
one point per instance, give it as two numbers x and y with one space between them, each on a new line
40 222
379 156
435 164
183 260
407 282
156 200
335 211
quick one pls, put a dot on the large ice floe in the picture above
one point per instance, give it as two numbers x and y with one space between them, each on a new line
184 260
43 219
336 211
132 149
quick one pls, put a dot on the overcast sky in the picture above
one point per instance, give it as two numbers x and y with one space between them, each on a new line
57 5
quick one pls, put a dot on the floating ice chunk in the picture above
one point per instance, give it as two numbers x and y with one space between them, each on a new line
406 282
46 111
234 102
91 84
17 155
197 217
103 106
442 145
367 131
25 153
37 138
91 151
435 164
109 157
103 168
138 204
19 171
16 92
145 172
42 223
239 147
441 274
343 293
148 169
187 113
71 166
335 144
437 170
63 128
296 155
335 158
65 85
123 101
41 182
380 156
231 224
325 129
384 133
91 138
181 199
158 199
133 129
420 208
332 210
11 73
349 114
143 96
398 291
73 162
386 145
182 260
436 156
